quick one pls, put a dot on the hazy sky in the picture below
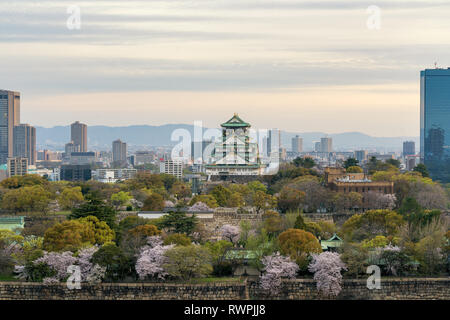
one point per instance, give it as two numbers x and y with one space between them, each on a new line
297 65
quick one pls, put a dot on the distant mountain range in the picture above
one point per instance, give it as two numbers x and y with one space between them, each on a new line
101 137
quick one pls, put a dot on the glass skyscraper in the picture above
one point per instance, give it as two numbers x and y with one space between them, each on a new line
435 122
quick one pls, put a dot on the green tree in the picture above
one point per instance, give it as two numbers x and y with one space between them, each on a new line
180 190
263 201
154 202
69 235
393 162
306 162
300 223
102 232
117 264
178 222
207 199
354 169
97 208
256 186
120 199
144 231
27 199
422 169
179 239
272 223
355 256
299 244
371 224
187 262
70 198
290 199
351 162
221 194
27 180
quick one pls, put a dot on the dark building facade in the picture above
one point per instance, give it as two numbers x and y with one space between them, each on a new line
78 135
435 122
409 148
10 117
25 142
75 172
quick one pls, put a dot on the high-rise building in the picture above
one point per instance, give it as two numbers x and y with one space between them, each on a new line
297 144
409 148
78 134
326 145
273 141
10 117
317 146
24 145
361 155
119 151
435 122
17 166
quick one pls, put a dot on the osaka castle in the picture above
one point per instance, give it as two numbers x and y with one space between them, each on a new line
234 154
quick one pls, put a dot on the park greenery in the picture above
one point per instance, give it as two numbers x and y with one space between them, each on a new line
94 226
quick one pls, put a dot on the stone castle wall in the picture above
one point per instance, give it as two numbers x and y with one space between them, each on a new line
356 289
299 289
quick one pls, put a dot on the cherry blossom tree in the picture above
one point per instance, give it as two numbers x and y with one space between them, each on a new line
199 207
378 200
327 268
59 263
90 273
152 259
230 233
276 267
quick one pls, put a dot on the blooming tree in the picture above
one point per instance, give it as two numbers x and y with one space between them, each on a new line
230 233
327 268
276 267
90 273
152 259
59 263
377 200
199 206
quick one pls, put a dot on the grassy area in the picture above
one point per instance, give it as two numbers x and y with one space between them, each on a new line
7 277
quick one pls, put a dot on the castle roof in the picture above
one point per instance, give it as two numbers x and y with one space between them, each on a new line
235 122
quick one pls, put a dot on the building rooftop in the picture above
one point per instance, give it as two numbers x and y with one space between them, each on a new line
235 122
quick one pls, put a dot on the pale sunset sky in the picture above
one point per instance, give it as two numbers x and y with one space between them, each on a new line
297 65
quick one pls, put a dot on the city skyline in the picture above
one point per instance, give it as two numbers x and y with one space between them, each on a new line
160 61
